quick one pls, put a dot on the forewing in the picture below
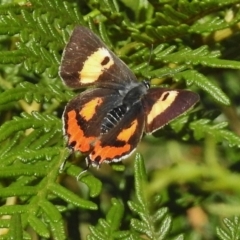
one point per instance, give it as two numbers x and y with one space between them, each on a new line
163 105
83 117
86 61
120 141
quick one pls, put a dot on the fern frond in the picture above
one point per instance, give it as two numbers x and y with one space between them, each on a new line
45 160
203 127
109 228
94 184
32 148
205 84
28 121
40 52
41 92
147 225
15 233
230 230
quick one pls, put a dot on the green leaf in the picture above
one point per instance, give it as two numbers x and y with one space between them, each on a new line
70 197
15 233
148 222
109 228
94 184
38 226
203 128
204 83
230 230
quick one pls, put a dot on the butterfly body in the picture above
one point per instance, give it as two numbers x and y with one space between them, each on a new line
107 122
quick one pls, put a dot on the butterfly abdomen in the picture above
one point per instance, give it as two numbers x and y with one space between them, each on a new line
113 117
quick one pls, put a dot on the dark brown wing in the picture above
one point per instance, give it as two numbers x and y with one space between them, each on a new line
83 117
87 61
163 105
120 141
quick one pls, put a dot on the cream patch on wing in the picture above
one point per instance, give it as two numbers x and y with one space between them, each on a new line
164 102
95 65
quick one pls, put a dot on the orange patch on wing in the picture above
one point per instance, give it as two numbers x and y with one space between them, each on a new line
89 108
126 133
108 152
111 152
76 134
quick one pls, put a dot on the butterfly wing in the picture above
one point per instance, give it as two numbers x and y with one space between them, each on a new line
120 141
83 117
163 105
86 61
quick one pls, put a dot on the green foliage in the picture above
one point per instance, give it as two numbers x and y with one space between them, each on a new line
154 225
108 229
191 164
231 230
149 223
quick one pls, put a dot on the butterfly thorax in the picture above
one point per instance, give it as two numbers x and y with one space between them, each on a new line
132 97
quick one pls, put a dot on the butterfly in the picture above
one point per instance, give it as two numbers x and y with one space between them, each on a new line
107 121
